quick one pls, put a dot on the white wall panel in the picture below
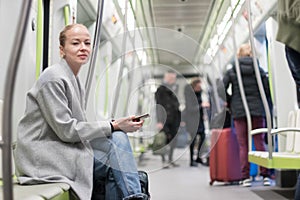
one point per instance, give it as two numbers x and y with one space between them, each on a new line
285 98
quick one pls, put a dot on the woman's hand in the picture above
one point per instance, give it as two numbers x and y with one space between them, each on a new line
127 124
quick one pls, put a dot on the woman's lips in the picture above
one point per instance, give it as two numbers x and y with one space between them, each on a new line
82 56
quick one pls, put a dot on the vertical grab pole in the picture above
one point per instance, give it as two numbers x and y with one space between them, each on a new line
259 81
67 14
8 99
130 76
39 38
95 50
123 50
241 87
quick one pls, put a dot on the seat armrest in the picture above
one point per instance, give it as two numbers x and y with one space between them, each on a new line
283 130
274 131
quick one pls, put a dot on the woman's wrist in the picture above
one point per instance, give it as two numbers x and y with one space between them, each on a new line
114 126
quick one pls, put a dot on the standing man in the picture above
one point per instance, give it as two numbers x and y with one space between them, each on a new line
168 113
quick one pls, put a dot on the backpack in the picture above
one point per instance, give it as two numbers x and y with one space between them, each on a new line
159 146
143 176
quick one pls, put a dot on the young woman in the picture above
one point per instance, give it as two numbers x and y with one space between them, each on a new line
255 106
53 143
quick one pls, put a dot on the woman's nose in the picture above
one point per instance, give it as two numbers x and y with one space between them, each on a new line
84 47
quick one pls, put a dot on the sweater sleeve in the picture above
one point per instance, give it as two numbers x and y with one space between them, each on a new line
54 106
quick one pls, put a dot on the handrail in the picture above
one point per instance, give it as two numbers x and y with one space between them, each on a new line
274 131
39 38
241 86
130 77
123 50
8 99
132 40
258 131
67 14
259 81
96 42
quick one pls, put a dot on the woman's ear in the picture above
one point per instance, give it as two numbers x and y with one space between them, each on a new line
61 51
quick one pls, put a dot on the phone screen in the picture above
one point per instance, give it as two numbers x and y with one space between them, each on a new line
138 118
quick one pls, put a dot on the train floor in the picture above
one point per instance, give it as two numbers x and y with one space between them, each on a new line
184 182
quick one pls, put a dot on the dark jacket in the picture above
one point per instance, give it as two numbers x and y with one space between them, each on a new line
250 86
168 108
193 112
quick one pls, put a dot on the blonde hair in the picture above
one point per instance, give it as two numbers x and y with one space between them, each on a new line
244 50
62 34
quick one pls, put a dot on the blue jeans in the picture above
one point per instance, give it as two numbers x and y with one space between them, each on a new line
115 166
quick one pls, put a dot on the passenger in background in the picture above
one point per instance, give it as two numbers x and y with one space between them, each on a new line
167 112
193 117
255 106
54 134
288 16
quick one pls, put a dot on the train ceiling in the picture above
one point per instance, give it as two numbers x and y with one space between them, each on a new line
184 21
176 33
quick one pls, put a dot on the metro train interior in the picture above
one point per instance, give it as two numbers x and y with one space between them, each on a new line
135 42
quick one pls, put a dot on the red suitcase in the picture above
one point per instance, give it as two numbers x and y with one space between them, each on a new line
224 162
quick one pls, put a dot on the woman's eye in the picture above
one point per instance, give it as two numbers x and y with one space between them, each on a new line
75 43
87 43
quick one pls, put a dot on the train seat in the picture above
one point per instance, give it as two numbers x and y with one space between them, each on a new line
290 158
49 191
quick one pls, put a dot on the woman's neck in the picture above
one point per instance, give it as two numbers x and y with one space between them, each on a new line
74 67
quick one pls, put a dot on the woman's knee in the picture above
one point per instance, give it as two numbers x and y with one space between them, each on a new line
120 136
121 140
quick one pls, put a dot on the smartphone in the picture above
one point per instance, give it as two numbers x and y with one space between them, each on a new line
138 118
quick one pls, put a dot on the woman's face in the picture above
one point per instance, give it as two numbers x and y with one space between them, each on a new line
77 48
